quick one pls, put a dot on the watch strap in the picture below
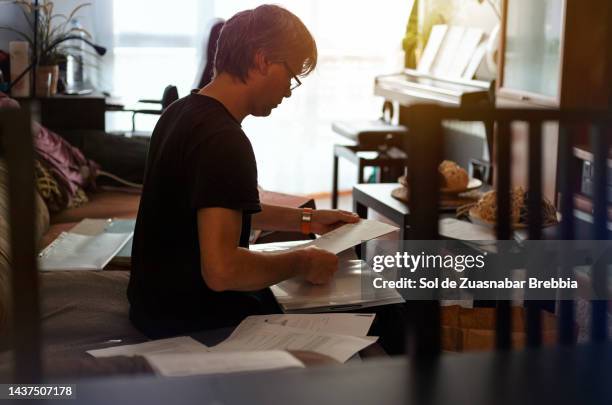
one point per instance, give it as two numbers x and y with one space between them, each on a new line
306 223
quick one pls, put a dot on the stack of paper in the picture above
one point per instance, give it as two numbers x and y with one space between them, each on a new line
260 342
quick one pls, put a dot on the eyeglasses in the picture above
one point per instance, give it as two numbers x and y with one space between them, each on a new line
295 81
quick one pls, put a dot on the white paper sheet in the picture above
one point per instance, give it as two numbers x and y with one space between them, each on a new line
448 50
436 37
474 63
344 256
185 364
338 323
267 336
465 52
181 344
278 246
350 235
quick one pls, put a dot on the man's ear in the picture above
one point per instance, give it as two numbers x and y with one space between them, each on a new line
261 64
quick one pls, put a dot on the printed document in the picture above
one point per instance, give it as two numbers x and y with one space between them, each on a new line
181 344
336 323
185 364
267 336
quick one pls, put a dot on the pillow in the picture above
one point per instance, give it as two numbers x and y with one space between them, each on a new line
72 171
55 196
41 226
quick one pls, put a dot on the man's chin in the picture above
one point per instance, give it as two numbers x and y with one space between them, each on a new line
263 113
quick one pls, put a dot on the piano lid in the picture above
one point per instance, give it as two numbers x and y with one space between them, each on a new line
410 87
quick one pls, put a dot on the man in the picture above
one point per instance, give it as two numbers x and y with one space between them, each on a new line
192 269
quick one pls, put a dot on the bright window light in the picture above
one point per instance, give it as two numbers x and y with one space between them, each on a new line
357 40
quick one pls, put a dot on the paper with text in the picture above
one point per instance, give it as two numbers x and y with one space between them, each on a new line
267 336
185 364
338 323
350 235
181 344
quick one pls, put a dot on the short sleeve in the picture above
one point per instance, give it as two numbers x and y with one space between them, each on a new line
223 173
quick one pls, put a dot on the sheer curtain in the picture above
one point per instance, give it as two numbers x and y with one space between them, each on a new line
357 40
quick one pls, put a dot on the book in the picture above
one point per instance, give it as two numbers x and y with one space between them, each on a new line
90 245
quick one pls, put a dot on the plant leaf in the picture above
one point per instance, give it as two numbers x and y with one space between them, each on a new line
77 8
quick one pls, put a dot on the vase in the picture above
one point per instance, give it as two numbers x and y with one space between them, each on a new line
46 80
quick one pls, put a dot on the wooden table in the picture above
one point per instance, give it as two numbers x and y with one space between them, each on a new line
363 157
378 197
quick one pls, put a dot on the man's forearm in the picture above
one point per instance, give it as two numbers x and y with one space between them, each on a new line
245 270
276 218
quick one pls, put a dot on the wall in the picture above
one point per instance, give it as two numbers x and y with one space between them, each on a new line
10 15
100 27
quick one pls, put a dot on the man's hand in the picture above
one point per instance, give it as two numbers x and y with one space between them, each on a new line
319 265
324 221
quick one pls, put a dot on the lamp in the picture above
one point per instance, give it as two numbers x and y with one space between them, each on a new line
100 50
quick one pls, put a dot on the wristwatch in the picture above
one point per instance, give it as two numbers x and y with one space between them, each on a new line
306 221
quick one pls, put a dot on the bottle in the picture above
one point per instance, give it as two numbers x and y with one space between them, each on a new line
75 72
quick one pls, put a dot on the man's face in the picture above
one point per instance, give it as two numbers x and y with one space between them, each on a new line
274 86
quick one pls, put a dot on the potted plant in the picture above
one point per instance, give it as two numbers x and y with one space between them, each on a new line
53 44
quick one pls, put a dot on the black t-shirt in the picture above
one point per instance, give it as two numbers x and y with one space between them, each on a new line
199 157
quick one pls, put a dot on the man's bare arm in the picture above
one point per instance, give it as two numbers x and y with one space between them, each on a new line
226 266
277 218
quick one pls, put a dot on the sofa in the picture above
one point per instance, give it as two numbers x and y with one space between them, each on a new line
84 310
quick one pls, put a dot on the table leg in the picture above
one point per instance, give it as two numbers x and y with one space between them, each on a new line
362 211
334 201
361 172
404 228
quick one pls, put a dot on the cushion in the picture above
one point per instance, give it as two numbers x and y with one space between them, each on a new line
56 196
71 170
41 223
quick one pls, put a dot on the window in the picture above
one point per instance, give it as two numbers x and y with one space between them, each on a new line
293 146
